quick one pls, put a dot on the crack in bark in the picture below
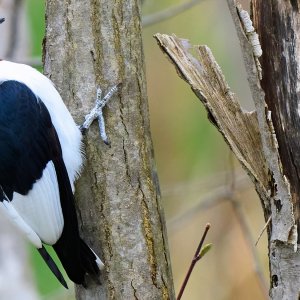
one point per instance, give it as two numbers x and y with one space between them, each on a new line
126 163
97 53
134 290
149 237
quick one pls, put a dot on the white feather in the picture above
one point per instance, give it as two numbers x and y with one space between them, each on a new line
68 133
7 208
99 262
40 208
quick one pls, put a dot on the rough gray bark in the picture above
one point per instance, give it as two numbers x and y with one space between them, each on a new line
118 200
278 25
252 136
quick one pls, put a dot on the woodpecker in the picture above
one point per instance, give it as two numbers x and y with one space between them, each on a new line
40 158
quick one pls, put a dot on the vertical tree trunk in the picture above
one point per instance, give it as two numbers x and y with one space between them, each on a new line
98 43
278 25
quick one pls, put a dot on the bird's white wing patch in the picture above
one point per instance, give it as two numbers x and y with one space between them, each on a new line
8 210
41 208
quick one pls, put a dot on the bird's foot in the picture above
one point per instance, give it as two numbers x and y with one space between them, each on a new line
97 113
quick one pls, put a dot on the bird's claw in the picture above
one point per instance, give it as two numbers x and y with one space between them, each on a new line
97 113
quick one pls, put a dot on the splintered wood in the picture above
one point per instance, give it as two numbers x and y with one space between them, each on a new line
251 135
239 128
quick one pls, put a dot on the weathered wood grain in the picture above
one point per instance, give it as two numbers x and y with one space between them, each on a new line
266 142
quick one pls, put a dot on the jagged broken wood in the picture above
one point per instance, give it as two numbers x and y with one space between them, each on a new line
277 25
251 137
239 128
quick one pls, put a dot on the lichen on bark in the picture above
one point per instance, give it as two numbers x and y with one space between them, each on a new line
99 44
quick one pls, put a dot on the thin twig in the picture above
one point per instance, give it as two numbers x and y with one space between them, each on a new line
195 259
214 197
246 231
198 185
168 13
263 230
250 243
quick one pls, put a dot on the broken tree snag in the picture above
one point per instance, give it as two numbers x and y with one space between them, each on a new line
277 23
277 26
239 128
251 137
283 222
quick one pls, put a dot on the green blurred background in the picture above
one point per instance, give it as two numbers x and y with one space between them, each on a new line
194 164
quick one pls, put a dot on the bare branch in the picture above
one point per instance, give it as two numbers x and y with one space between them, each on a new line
242 219
263 230
168 13
214 197
196 258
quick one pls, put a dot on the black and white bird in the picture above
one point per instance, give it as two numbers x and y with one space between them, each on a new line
40 158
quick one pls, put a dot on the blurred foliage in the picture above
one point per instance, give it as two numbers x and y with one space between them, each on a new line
188 149
36 12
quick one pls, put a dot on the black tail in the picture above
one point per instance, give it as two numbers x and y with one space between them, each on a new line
76 257
52 265
77 261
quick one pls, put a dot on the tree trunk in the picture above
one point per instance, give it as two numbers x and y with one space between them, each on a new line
278 25
99 43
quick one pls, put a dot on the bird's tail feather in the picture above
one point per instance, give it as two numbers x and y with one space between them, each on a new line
78 261
52 266
90 260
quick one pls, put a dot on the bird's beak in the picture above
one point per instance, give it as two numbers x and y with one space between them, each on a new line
2 20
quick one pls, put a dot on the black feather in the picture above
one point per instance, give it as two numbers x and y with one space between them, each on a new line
52 266
24 138
70 247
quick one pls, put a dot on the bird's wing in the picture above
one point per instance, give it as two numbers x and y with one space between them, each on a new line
10 212
29 189
28 145
41 208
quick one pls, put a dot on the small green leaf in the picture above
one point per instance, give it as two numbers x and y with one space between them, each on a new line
204 250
